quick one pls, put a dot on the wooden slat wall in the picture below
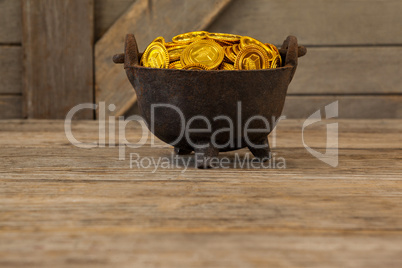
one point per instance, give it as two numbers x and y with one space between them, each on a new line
354 51
58 57
10 59
361 36
315 22
10 69
107 12
349 70
10 21
11 55
10 106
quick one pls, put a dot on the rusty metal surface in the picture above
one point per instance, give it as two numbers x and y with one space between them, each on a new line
239 95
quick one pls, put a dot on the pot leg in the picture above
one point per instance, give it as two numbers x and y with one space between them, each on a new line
179 151
263 152
204 156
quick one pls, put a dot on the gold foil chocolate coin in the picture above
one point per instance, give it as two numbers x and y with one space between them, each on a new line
156 56
276 62
229 54
205 52
213 51
252 57
276 51
236 49
159 39
246 41
224 37
195 66
175 65
175 52
226 66
189 37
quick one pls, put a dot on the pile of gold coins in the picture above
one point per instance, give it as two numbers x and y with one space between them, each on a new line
211 51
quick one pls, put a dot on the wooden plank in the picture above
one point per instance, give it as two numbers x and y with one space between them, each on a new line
10 106
349 70
352 135
146 21
58 57
10 21
56 198
126 248
380 141
194 205
97 164
107 12
349 106
10 70
315 22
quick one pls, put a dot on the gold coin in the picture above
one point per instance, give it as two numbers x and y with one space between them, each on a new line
224 37
195 66
252 57
206 52
159 39
222 43
275 49
189 37
156 56
272 47
246 41
175 65
236 49
276 62
229 54
171 44
226 66
175 52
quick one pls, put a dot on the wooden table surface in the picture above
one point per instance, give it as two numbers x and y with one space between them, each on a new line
63 206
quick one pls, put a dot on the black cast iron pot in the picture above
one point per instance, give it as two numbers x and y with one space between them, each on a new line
224 104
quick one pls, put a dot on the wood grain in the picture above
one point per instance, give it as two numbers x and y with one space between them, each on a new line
63 206
58 57
10 21
253 249
10 70
107 12
315 22
10 106
349 70
352 135
147 20
376 106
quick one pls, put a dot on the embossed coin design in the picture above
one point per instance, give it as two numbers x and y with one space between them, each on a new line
156 56
206 52
252 57
246 41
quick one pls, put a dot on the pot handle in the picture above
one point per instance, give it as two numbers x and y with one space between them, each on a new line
290 51
131 57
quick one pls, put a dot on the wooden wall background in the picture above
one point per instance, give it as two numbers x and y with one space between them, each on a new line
354 48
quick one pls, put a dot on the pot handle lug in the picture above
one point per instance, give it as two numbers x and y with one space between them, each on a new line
292 51
131 57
